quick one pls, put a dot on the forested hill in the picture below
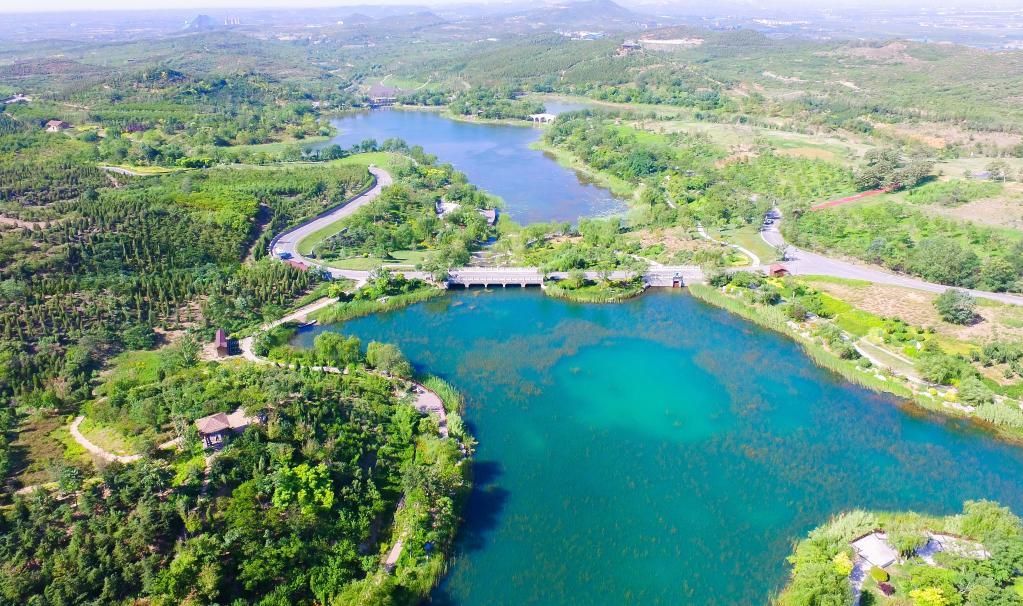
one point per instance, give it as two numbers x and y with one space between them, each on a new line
886 79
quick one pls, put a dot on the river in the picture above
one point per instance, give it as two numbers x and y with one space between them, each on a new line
662 451
496 158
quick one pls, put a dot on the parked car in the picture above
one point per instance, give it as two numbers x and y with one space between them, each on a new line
285 256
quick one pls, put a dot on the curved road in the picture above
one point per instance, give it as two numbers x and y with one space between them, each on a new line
804 262
287 242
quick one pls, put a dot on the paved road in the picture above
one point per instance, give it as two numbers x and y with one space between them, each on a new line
288 241
804 262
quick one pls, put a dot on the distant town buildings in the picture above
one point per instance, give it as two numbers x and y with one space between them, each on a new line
581 35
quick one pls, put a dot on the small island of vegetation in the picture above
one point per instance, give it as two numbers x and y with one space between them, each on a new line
880 558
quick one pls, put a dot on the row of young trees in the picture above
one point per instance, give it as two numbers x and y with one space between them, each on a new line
686 175
906 239
124 261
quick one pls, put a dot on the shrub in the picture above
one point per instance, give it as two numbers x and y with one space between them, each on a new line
745 279
768 296
928 596
879 574
797 311
941 368
956 306
973 391
846 351
906 540
138 337
843 565
720 279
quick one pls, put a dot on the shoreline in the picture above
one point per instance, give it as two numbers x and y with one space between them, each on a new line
849 371
618 187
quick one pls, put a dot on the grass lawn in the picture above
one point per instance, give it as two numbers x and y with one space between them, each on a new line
105 437
748 237
885 357
38 448
278 146
957 166
410 257
402 83
140 366
385 160
400 258
785 142
308 243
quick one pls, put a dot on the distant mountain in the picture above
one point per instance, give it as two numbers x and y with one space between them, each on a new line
203 23
594 9
591 15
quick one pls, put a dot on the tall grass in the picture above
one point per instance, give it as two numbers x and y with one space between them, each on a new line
453 400
350 310
594 294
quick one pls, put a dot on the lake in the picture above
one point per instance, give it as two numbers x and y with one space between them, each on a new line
496 158
662 451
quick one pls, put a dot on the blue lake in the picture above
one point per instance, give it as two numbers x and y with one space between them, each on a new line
496 158
662 451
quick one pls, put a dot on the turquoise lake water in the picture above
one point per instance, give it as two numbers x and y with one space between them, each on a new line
662 451
496 158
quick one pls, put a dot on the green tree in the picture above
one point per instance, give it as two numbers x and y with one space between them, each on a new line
338 350
69 479
386 357
308 486
956 306
999 275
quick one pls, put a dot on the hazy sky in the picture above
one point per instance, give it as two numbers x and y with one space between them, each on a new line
13 6
18 6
